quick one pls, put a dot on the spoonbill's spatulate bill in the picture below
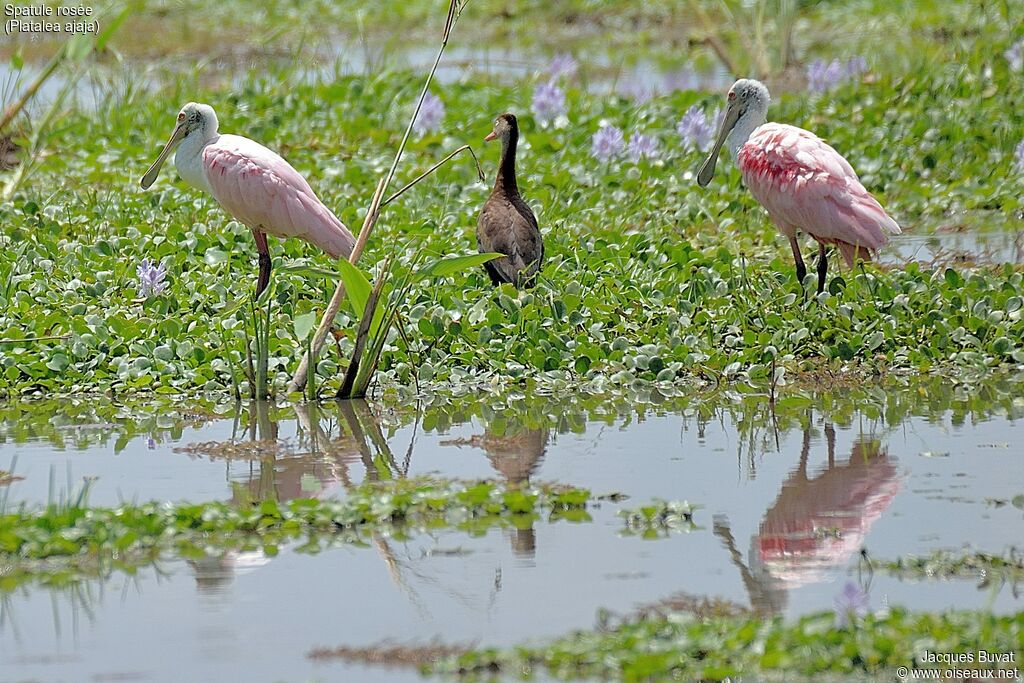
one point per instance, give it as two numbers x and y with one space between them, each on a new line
802 182
253 184
507 224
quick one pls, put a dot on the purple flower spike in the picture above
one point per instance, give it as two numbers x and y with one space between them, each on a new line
607 143
850 605
641 146
696 129
548 102
431 114
563 64
151 278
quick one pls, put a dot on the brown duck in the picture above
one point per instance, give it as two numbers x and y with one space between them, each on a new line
507 225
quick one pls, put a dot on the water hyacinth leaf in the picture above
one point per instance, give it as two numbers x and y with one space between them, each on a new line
304 324
455 264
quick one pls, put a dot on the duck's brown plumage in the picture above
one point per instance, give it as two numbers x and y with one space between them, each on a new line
506 224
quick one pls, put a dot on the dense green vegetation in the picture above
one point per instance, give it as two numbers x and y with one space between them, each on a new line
68 541
810 648
648 278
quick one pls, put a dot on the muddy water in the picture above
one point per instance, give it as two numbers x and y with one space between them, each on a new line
789 498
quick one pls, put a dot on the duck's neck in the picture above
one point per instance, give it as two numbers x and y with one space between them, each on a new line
506 179
748 123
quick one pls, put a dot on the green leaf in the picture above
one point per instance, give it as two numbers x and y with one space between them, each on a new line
310 271
112 26
304 324
214 256
357 287
455 264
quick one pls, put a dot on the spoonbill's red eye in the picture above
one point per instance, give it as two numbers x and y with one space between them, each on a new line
732 96
181 116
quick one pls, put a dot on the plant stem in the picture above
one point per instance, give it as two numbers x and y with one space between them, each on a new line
299 378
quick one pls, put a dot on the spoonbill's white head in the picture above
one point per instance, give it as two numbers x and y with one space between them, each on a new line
504 126
747 109
195 121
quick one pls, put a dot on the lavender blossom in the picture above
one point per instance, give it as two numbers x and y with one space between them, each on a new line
850 605
641 146
681 79
151 278
151 443
696 129
855 67
431 114
548 102
563 64
638 92
822 77
607 143
1015 55
1018 157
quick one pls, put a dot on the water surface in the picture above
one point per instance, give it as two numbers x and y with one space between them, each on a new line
789 496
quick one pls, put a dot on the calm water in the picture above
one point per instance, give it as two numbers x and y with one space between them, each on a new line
788 501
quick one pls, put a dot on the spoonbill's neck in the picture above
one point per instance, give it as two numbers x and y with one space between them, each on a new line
750 121
188 159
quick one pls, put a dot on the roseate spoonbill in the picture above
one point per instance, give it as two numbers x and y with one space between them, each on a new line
253 184
802 182
506 224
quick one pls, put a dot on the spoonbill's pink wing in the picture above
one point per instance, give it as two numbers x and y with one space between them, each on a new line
806 185
263 191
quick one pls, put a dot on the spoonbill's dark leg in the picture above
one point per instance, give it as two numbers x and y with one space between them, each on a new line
822 267
801 269
261 245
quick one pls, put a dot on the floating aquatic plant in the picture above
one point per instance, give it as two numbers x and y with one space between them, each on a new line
431 114
562 65
548 102
641 147
151 278
851 605
696 129
607 143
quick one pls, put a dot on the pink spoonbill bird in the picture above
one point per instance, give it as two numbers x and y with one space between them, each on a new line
253 184
802 182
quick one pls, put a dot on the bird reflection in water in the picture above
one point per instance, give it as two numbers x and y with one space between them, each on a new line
817 522
515 452
316 464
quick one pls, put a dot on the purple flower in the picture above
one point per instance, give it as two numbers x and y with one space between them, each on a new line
1018 157
696 129
641 146
607 143
431 114
638 92
681 79
562 64
1015 55
151 443
822 77
548 102
151 278
850 605
855 67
